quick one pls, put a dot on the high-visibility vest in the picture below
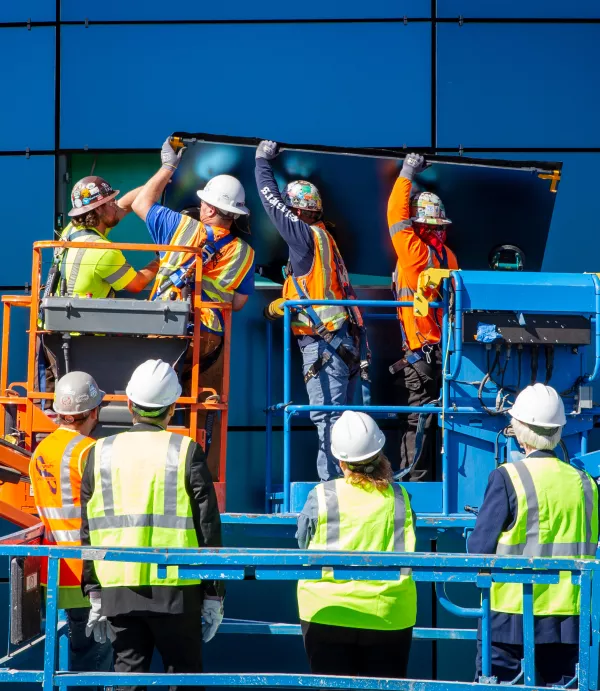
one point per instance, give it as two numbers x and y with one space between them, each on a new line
557 516
414 256
320 283
93 272
140 500
55 470
221 275
352 518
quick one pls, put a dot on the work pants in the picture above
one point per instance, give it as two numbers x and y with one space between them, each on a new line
347 652
416 385
335 384
177 637
85 655
211 377
554 662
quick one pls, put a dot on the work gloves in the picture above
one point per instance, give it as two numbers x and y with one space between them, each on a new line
413 164
169 157
97 624
212 613
267 149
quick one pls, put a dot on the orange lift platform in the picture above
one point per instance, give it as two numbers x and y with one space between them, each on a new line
108 338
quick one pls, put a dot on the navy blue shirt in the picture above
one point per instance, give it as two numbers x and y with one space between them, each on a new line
297 234
497 514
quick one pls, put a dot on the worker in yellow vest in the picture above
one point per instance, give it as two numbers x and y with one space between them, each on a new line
228 265
55 470
358 628
151 488
537 507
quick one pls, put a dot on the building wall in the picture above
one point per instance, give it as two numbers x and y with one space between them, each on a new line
512 78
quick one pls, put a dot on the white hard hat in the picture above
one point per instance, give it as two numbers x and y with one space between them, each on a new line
77 393
226 193
539 405
154 384
355 437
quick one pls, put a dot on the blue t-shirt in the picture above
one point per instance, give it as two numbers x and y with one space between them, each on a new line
162 224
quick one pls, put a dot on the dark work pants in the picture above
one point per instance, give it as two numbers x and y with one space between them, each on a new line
554 662
346 652
85 654
177 637
416 385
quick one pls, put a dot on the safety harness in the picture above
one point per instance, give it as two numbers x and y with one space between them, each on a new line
410 357
332 339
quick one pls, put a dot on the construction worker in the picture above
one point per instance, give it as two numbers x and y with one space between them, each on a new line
537 507
55 471
332 339
96 273
150 488
228 262
418 227
358 628
101 272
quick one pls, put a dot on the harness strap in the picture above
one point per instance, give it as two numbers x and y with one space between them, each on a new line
210 249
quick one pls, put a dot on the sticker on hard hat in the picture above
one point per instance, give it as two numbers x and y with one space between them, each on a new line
93 391
66 401
431 210
82 397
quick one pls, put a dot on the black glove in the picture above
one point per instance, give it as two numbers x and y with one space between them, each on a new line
413 164
267 149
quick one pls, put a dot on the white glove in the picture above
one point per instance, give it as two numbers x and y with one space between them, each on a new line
212 612
96 624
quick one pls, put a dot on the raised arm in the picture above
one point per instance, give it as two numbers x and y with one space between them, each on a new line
154 188
297 234
411 251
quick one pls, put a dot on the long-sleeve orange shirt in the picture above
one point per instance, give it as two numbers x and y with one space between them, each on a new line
414 256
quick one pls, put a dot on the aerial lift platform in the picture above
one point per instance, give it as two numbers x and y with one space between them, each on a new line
501 331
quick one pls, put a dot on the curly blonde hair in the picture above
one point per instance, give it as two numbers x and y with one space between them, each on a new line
380 477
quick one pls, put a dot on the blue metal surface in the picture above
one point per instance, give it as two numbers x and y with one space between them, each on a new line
495 103
29 121
510 9
22 11
240 9
368 53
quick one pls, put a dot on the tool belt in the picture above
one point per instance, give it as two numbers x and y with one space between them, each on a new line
410 357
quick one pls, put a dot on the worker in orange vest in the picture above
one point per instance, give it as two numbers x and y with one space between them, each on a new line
55 470
332 338
418 226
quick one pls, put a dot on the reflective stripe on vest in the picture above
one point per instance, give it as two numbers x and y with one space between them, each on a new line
532 547
140 500
55 475
215 288
557 516
320 283
353 518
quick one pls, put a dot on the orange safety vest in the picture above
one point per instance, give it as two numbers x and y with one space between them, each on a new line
221 275
414 256
322 282
55 470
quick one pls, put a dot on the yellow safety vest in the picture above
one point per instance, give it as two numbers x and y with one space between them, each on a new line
320 283
557 516
94 272
353 518
140 500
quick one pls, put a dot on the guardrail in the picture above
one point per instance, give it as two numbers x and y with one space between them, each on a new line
291 565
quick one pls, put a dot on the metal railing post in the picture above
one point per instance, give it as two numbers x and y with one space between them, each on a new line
51 625
287 393
269 422
528 635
